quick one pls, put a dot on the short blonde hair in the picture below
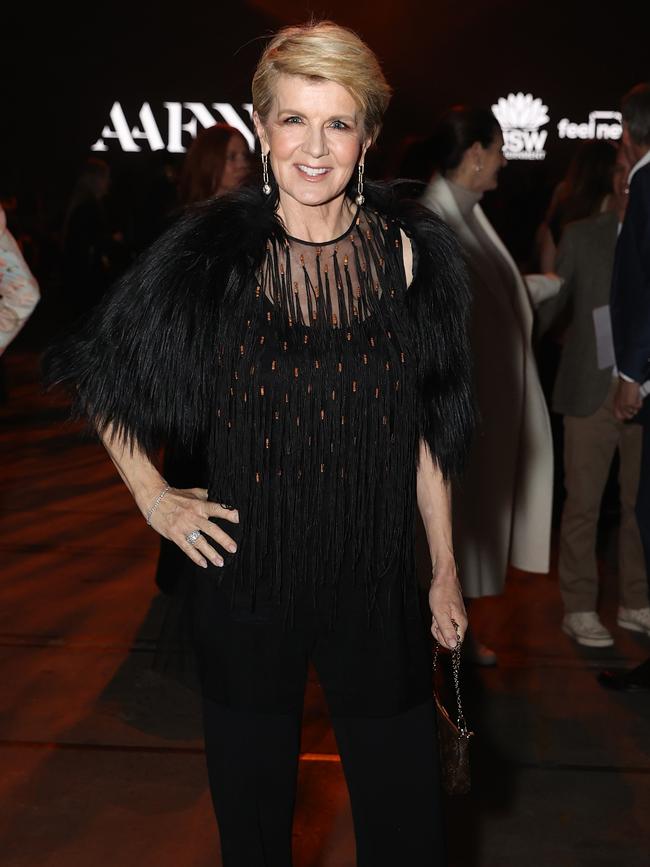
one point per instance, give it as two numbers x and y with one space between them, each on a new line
324 50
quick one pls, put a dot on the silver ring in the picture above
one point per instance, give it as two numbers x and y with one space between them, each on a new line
193 537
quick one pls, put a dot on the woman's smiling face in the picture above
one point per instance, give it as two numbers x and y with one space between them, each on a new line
315 138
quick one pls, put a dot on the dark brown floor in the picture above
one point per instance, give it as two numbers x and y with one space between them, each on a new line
102 761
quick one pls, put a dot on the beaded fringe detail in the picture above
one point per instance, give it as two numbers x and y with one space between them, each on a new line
315 439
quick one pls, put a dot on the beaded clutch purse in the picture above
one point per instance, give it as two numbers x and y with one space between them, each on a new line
453 737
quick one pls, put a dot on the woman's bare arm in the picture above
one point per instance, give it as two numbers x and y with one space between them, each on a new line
445 595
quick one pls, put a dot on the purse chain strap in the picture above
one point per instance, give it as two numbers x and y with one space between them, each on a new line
455 664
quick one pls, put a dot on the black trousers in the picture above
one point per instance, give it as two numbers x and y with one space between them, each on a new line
390 765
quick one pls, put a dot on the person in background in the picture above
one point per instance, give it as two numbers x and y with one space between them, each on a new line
630 307
502 508
19 292
150 199
584 394
583 192
217 162
93 250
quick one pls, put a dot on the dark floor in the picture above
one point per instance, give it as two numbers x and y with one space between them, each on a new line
103 761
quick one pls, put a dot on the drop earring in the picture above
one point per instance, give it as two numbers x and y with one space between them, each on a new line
266 187
360 198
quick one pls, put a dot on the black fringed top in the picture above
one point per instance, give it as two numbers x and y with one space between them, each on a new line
316 431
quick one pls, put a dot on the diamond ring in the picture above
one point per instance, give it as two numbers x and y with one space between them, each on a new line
193 537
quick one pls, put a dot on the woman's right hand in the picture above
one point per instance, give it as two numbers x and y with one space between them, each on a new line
182 511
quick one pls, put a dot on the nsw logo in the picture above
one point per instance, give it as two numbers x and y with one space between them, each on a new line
521 116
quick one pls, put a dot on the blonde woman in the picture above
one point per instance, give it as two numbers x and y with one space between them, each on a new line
312 335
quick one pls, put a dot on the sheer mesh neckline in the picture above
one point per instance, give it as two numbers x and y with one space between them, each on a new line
334 240
335 286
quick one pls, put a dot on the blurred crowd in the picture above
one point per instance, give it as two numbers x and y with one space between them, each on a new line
108 220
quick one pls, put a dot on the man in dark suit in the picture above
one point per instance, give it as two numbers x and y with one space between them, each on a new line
630 309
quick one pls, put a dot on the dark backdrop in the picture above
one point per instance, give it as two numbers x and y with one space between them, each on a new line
64 70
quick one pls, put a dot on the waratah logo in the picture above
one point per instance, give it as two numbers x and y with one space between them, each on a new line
520 116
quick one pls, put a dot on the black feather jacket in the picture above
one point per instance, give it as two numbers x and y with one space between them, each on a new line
145 360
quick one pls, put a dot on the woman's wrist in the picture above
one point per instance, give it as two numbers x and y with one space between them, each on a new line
444 569
146 494
145 485
154 505
138 473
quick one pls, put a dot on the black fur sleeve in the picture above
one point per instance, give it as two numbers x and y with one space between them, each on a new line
144 362
439 301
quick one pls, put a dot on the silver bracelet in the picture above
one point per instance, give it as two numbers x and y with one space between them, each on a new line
156 503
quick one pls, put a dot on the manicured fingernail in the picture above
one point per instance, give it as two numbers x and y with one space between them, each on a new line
232 548
235 517
204 564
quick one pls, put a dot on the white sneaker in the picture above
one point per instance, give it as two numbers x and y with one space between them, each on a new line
634 619
585 628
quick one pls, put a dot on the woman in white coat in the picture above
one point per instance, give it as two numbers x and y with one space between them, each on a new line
502 507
